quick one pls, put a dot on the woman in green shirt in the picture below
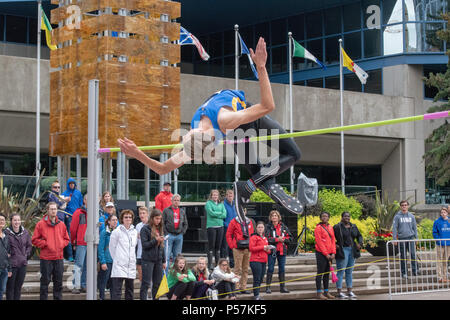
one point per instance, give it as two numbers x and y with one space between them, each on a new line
180 280
215 214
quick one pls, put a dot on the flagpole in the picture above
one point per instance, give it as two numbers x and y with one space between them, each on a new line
38 99
292 176
341 85
236 74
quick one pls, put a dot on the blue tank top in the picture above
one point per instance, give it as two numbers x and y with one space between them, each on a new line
231 98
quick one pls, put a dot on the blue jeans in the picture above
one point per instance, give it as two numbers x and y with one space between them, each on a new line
103 278
174 245
68 252
258 271
3 282
345 266
79 269
404 247
281 263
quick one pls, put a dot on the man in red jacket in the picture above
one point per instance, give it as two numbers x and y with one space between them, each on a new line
238 234
164 198
50 235
78 228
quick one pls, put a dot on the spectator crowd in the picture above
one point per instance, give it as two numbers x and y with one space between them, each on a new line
151 251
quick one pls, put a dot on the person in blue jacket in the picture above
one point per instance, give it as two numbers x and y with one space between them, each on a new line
104 256
228 203
441 230
75 202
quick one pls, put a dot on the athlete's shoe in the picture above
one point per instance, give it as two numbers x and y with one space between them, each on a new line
241 196
276 193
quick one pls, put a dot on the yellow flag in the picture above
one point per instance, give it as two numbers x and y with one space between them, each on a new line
45 25
163 287
347 62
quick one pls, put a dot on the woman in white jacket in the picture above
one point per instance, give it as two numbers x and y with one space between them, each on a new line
122 246
225 279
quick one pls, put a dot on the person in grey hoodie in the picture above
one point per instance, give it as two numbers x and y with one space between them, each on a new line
405 228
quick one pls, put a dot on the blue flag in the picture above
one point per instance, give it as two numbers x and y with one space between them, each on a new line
188 38
244 50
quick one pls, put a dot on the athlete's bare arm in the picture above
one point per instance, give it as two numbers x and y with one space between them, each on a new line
229 120
131 150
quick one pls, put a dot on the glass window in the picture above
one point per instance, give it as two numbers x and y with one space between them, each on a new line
247 34
296 25
228 67
332 50
374 83
300 83
16 29
393 39
262 30
215 45
352 17
314 24
215 67
431 41
413 37
279 59
245 71
352 45
279 32
201 68
351 82
414 10
371 14
434 9
187 52
318 83
2 25
332 20
228 42
315 48
332 83
32 31
392 11
372 43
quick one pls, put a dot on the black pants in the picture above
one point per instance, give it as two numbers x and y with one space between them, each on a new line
51 270
323 266
225 251
152 272
215 236
258 271
15 283
226 287
117 288
289 153
181 290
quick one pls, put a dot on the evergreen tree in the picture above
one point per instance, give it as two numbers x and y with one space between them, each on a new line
437 158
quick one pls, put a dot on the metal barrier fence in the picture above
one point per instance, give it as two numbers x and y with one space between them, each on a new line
418 266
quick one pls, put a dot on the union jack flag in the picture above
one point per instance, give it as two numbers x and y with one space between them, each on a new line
188 38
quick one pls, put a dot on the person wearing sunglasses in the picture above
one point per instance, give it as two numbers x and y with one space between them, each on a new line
122 247
61 201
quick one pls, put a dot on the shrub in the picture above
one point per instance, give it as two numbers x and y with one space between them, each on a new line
425 229
335 203
368 206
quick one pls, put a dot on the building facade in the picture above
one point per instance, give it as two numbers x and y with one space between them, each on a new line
392 40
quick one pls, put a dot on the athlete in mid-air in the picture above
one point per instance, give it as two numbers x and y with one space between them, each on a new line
223 112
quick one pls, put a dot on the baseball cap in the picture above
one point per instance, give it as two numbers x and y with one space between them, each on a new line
167 183
109 204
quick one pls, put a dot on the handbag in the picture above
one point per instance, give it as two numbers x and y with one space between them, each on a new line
242 244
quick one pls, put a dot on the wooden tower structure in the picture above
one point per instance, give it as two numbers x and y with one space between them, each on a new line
130 46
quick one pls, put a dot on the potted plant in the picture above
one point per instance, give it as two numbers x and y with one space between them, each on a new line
385 213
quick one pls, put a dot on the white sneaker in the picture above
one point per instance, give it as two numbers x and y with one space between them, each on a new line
342 296
351 295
